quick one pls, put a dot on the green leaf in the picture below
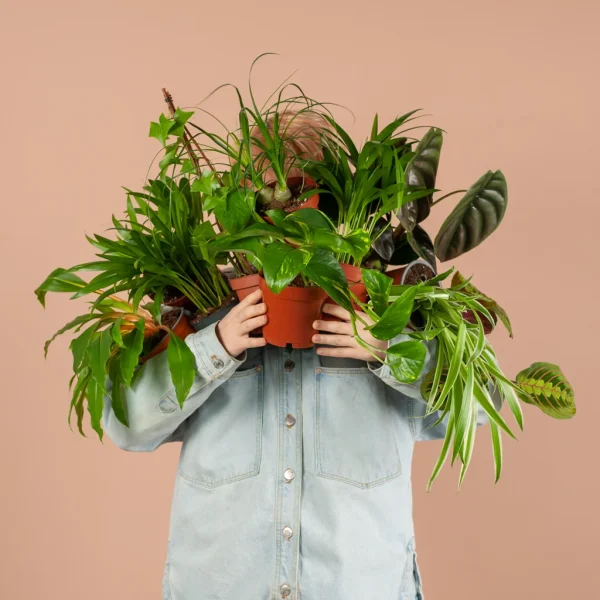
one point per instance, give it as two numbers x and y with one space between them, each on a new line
70 325
474 218
117 393
95 391
360 242
545 386
396 316
406 360
60 280
310 216
205 184
160 130
324 270
486 301
130 354
182 365
234 213
378 287
497 449
444 453
282 263
98 353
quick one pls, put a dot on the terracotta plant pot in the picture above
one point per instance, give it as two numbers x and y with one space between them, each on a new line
291 314
182 329
354 278
245 285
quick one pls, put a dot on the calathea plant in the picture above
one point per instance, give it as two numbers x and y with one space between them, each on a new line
115 337
467 372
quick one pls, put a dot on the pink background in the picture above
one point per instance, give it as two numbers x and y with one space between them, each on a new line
514 84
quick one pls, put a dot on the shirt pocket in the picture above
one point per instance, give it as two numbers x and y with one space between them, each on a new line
354 438
223 443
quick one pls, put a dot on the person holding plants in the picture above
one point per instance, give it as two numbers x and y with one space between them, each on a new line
294 479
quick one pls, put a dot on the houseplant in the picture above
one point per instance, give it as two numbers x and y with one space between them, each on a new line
466 370
117 335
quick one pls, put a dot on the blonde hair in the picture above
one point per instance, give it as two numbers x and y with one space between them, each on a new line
302 133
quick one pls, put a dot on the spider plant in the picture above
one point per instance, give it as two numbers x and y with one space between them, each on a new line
117 334
467 372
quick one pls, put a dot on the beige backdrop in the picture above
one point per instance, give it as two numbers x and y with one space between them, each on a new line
513 83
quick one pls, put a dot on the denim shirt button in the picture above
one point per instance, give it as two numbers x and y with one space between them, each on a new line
288 475
285 589
318 371
287 532
289 365
217 362
290 420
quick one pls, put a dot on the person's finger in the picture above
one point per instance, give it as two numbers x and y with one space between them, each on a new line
337 311
334 327
255 342
254 310
251 324
250 299
335 340
342 352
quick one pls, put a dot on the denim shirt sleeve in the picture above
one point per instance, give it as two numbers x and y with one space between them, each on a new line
421 425
155 416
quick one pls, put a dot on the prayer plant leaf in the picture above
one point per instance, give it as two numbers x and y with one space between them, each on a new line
474 218
545 386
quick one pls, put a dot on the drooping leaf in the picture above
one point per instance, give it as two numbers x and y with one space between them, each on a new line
383 242
406 360
282 263
396 316
378 287
325 271
489 303
60 280
182 366
403 252
421 243
98 353
130 354
545 386
95 391
474 218
117 392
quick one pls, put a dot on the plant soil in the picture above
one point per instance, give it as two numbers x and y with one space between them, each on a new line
418 273
171 294
198 316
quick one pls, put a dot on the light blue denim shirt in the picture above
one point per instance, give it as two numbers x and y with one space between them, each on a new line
294 478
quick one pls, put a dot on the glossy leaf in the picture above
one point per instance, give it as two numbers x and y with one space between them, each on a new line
182 366
130 354
396 317
325 271
60 280
117 392
421 172
282 263
378 287
421 243
98 353
383 243
545 386
94 392
234 213
406 360
474 218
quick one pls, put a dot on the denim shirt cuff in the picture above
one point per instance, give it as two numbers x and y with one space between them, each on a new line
211 357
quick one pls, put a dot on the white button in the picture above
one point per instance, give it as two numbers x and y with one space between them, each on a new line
285 589
290 420
287 532
289 475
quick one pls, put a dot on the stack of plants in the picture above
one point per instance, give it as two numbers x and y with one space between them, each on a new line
286 201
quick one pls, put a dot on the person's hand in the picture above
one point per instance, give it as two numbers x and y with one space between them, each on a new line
233 329
341 336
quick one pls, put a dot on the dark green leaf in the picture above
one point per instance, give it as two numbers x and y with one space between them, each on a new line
406 360
474 218
130 354
282 263
182 365
378 287
396 317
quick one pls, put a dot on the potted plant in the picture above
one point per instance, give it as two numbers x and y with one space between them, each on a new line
117 340
466 366
297 257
